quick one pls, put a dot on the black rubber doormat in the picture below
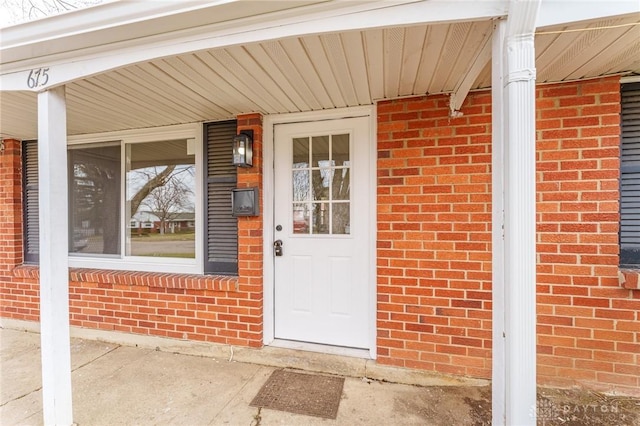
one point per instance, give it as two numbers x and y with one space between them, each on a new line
299 393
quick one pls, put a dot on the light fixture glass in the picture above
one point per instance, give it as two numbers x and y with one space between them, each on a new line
243 149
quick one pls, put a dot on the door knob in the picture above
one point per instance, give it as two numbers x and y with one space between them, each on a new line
277 247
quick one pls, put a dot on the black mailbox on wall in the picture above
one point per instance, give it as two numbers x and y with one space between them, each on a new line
244 202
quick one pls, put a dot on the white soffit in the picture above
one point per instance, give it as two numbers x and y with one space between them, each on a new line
92 50
318 71
584 50
308 73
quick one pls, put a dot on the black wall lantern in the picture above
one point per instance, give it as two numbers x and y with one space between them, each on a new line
243 149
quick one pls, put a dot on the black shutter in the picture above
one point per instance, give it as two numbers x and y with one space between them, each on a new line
221 228
30 197
630 176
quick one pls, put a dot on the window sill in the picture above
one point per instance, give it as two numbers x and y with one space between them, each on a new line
136 264
630 278
147 279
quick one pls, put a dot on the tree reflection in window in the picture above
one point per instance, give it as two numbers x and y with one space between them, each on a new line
161 199
321 185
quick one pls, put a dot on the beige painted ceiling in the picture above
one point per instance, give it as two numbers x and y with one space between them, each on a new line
318 72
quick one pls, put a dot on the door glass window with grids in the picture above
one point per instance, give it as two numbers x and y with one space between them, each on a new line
321 185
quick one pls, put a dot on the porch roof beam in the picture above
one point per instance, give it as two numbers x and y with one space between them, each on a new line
94 56
479 62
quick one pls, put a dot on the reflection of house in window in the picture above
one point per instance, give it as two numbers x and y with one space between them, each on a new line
143 222
182 222
146 221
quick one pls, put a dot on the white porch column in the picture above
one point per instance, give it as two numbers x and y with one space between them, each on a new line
54 266
498 370
516 123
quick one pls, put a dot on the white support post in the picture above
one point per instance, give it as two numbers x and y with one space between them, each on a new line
498 377
54 266
520 213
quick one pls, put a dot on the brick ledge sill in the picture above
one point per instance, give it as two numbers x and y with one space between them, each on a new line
629 278
146 279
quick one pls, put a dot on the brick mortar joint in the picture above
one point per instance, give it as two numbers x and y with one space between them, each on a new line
146 279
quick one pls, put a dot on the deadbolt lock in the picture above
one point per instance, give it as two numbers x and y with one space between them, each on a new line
277 247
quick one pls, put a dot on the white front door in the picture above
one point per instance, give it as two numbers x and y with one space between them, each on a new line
322 281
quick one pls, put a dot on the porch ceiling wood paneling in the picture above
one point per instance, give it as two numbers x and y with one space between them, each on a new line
317 72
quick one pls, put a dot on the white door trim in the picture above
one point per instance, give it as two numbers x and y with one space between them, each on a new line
268 210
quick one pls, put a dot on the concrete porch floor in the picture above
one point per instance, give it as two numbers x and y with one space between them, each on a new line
120 384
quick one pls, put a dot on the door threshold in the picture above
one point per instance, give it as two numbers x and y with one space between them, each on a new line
320 348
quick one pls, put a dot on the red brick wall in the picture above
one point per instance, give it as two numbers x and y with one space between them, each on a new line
215 309
434 233
10 205
250 256
588 324
17 299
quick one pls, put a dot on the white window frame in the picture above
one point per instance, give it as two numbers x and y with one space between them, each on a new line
123 262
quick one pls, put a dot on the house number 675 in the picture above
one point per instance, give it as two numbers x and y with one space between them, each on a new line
38 77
